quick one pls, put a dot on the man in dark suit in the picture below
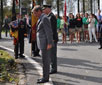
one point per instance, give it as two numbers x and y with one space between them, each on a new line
53 20
44 41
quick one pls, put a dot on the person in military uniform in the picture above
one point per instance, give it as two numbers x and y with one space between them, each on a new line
53 20
19 32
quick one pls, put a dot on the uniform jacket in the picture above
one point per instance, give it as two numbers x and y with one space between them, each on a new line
53 21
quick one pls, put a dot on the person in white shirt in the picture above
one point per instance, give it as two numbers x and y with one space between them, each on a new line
91 27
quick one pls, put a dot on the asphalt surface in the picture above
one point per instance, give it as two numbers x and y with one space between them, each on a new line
78 63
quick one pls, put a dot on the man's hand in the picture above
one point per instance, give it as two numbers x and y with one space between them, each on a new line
49 46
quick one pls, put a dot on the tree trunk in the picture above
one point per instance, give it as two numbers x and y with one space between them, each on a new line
58 8
78 7
91 6
1 17
20 6
98 4
83 6
13 10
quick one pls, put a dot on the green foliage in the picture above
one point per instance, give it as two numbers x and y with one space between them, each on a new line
8 68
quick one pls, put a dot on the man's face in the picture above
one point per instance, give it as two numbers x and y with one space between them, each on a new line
99 11
37 13
45 11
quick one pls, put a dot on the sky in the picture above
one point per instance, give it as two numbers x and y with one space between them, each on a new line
8 2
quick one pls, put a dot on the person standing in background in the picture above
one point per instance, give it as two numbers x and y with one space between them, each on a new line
6 25
91 27
99 32
79 24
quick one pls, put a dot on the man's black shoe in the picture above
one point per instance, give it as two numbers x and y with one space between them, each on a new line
36 55
42 80
53 72
22 56
100 48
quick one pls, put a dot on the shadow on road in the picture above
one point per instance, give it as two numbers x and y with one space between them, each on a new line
82 77
79 64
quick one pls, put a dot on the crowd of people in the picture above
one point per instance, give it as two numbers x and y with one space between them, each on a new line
82 27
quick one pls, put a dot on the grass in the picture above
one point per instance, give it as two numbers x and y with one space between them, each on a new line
8 68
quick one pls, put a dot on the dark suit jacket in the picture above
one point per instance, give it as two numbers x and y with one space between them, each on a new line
53 21
44 32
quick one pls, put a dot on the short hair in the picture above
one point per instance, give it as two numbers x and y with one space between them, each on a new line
37 8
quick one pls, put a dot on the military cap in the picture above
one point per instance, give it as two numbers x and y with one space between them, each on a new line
46 6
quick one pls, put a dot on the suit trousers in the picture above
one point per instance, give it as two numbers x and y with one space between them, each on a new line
54 57
46 62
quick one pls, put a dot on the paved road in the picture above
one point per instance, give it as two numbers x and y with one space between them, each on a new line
78 64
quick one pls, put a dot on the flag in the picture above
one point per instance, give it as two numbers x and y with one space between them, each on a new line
33 3
34 21
17 2
65 9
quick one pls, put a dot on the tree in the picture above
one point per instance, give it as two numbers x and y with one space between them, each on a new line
1 22
83 6
58 8
98 4
39 2
78 6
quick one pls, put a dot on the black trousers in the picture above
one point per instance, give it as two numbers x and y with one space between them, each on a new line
7 29
19 48
100 39
54 57
35 49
